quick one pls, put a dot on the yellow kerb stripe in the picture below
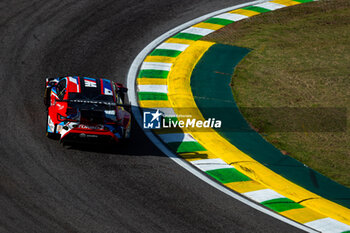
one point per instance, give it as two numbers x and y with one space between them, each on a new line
160 59
245 186
209 26
286 2
154 104
151 81
302 215
245 12
179 41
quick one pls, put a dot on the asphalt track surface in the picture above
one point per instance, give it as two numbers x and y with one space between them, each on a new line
45 187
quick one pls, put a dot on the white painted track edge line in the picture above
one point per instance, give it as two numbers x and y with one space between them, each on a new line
131 82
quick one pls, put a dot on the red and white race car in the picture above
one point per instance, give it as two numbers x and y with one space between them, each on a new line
82 109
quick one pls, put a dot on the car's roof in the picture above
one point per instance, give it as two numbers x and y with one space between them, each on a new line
89 88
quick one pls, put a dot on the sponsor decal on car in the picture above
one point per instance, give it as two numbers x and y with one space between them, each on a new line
90 82
94 127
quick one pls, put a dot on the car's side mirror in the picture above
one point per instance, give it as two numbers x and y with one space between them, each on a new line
51 82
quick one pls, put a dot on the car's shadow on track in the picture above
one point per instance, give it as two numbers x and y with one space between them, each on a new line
138 145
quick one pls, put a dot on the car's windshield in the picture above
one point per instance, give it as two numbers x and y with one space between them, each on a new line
61 87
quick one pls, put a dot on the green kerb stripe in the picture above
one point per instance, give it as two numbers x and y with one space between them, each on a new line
187 36
256 9
219 21
153 74
227 175
152 96
345 232
165 52
184 147
282 204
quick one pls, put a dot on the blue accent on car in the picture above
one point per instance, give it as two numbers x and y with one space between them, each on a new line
91 79
48 129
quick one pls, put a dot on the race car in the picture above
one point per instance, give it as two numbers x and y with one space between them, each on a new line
83 109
